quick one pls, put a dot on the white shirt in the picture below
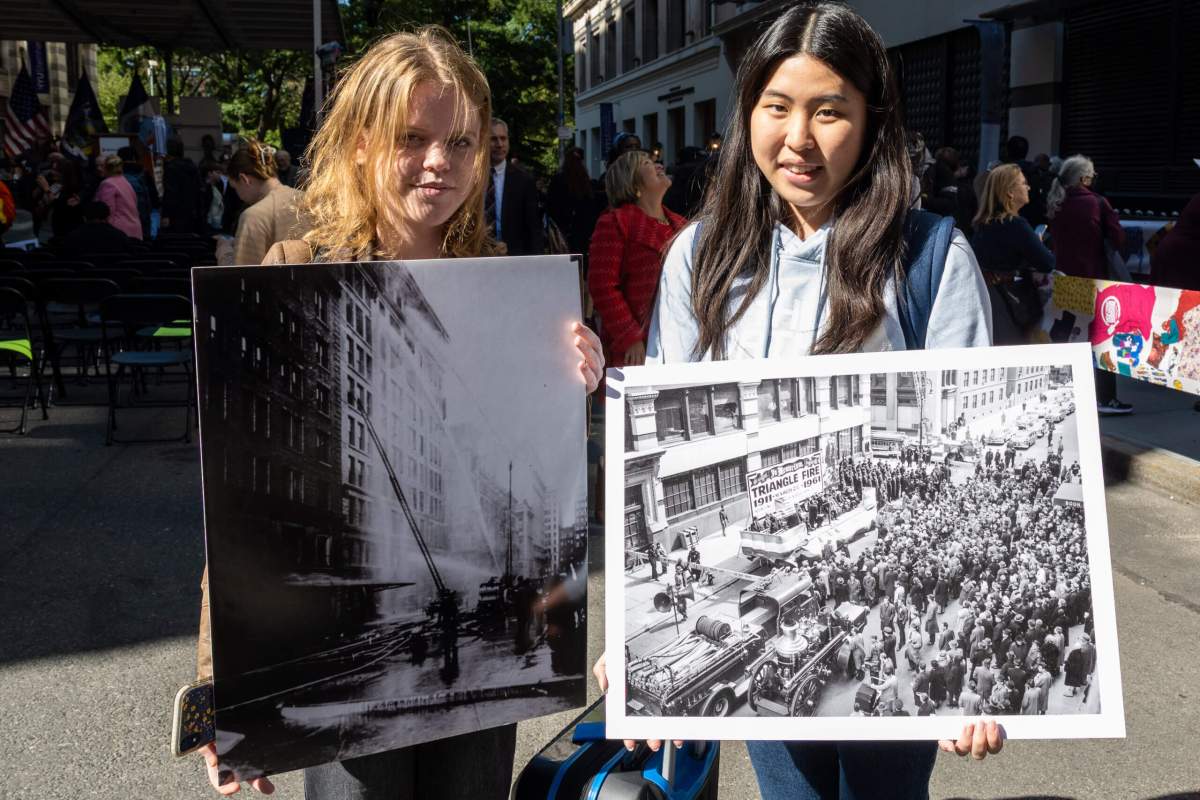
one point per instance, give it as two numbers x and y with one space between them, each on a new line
787 316
498 171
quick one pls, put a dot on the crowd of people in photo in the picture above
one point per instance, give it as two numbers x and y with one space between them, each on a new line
979 586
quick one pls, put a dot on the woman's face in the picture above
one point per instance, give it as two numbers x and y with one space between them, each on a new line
806 133
1018 198
652 179
435 165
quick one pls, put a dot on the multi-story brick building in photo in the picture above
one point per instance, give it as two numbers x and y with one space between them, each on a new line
688 450
273 449
899 400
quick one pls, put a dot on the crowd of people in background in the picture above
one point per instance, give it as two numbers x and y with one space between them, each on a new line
979 585
1025 218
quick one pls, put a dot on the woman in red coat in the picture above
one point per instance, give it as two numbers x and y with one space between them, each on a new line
626 255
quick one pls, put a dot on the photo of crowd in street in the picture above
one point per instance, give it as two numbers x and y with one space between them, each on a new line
395 554
864 544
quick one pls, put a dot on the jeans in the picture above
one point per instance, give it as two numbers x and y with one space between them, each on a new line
843 770
473 766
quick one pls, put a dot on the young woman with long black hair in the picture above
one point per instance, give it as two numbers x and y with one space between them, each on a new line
805 245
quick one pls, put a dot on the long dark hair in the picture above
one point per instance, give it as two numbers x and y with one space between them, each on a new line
741 209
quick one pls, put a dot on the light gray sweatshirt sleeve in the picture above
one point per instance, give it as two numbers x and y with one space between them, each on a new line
962 313
673 327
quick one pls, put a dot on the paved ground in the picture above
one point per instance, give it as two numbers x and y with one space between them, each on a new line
100 554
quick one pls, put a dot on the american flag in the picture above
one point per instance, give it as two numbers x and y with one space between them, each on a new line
24 119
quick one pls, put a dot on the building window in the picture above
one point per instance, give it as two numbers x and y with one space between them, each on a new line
732 477
768 407
610 50
810 395
649 33
668 414
906 389
706 486
699 412
677 492
845 390
594 57
856 440
771 457
726 408
676 24
628 38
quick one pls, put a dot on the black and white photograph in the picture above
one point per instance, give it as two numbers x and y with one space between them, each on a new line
864 546
395 502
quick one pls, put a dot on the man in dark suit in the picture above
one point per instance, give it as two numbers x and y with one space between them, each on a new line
511 203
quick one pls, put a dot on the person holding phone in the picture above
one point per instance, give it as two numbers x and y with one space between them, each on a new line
398 172
806 245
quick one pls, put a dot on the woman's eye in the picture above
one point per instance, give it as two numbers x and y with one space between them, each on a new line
461 143
413 140
828 113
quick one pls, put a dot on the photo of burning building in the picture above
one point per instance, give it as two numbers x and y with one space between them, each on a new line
390 513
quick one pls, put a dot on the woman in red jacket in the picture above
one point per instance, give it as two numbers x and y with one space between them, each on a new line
626 255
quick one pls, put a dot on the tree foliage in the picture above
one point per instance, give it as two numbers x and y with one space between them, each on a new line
514 41
259 90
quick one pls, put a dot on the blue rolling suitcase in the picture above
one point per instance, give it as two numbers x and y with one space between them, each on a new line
580 764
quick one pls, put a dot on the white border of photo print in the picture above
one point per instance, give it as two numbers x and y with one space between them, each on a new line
621 724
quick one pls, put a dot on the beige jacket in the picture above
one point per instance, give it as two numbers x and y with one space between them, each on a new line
275 218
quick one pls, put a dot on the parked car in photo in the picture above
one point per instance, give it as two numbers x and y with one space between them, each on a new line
996 437
1022 440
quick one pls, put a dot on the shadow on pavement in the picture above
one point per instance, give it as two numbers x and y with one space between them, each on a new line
100 547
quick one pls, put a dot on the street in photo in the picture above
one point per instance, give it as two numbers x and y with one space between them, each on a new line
873 546
395 516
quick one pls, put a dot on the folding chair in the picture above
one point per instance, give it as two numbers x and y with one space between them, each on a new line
79 296
124 277
74 265
8 265
134 312
16 346
153 284
146 265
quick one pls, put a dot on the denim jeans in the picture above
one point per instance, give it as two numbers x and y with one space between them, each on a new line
473 766
843 770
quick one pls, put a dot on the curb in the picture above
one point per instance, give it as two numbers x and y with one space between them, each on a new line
1127 461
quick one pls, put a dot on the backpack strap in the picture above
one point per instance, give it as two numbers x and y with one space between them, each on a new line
927 242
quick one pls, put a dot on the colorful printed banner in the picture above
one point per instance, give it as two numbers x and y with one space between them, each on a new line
1150 333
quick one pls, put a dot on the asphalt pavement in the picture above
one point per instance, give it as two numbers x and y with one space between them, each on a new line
101 552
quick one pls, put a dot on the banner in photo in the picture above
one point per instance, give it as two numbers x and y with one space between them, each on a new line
781 487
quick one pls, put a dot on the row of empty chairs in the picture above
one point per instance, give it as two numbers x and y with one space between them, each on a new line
128 326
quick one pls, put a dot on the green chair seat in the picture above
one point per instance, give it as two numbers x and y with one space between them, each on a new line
21 347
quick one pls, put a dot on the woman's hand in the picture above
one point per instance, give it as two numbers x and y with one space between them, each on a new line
635 356
600 671
978 739
588 345
209 751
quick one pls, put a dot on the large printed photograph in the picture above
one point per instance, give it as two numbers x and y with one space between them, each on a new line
859 547
395 503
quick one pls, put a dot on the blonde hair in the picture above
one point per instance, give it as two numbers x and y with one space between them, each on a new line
621 182
113 165
255 159
368 113
993 205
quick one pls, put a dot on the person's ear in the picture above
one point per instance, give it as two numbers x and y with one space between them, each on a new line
360 149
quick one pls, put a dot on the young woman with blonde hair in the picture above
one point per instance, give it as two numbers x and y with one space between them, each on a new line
398 171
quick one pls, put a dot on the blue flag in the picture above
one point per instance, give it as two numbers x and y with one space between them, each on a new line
39 67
